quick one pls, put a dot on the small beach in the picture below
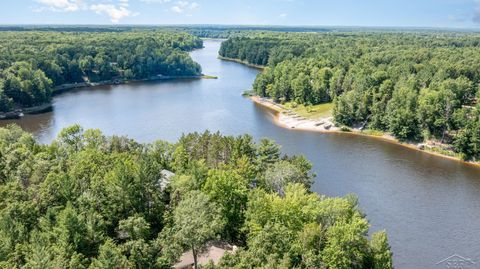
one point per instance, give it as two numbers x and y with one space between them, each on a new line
286 118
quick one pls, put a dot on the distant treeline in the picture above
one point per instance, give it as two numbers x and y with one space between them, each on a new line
205 31
415 85
32 63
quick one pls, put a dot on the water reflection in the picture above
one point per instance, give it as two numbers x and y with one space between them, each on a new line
429 206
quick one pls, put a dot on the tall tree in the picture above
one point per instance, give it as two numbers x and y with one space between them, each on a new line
196 221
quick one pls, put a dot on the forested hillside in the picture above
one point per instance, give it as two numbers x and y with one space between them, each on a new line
416 86
33 63
91 201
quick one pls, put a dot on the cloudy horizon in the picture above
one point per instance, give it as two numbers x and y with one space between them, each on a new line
372 13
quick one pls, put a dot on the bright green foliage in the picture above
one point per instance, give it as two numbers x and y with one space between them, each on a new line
303 230
346 246
230 191
401 116
196 220
382 255
416 86
91 201
295 208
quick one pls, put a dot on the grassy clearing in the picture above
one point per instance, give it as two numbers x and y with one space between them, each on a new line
311 112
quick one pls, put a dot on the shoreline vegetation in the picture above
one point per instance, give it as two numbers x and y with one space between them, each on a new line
87 200
47 107
37 65
419 88
288 119
260 67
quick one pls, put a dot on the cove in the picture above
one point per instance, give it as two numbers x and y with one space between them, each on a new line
430 206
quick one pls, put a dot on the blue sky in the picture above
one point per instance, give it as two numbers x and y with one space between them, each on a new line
421 13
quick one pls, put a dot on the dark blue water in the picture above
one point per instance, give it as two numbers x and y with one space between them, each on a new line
429 206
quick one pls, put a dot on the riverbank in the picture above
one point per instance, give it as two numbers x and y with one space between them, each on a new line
261 67
66 87
286 118
20 112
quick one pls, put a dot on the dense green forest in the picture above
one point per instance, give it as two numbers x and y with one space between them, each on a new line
416 86
91 201
205 31
33 63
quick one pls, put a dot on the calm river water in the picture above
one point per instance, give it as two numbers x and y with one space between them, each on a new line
429 206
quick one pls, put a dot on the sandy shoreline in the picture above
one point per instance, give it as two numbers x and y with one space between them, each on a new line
289 120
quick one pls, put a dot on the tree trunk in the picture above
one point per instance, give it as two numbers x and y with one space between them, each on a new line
194 252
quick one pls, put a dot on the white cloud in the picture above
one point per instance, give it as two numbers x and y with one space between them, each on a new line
184 6
115 9
283 15
177 9
115 13
60 5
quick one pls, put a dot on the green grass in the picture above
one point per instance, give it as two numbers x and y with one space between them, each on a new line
445 152
311 112
373 132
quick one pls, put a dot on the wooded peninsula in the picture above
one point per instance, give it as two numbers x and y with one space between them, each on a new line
33 63
420 86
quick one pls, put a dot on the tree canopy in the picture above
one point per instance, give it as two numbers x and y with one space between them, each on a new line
33 63
415 85
91 201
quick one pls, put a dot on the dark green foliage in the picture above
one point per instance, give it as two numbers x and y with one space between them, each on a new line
91 201
467 141
416 86
32 63
24 85
400 114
